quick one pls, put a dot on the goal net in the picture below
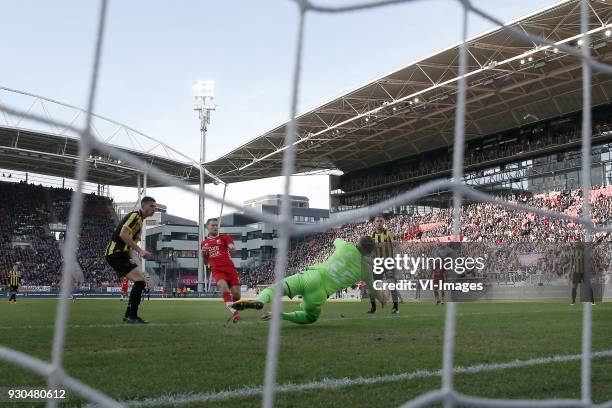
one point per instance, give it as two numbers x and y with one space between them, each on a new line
446 394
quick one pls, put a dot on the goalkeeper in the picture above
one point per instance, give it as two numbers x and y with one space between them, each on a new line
346 266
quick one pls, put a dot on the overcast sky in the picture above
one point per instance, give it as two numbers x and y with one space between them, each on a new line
154 50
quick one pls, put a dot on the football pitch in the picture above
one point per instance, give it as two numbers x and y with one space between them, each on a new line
188 356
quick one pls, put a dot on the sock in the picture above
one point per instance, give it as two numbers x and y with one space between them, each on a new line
574 294
228 299
135 296
395 305
373 305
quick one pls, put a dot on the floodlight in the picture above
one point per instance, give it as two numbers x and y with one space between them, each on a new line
204 89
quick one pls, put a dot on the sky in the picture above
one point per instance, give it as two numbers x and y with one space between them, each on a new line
153 51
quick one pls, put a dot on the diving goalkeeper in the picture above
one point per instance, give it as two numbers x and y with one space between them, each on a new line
346 266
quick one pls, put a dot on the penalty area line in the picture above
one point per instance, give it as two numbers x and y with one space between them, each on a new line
336 383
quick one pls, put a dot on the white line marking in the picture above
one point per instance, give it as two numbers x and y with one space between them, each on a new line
410 314
336 383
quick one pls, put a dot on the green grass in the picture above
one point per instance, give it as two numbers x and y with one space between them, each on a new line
187 349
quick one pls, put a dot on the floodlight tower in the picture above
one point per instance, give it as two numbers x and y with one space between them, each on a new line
204 93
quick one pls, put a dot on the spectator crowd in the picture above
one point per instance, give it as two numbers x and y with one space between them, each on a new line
28 210
26 215
480 222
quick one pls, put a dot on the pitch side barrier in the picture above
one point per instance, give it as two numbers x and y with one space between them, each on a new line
106 295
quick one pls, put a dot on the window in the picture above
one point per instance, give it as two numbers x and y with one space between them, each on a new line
254 234
254 253
185 254
303 218
236 237
178 236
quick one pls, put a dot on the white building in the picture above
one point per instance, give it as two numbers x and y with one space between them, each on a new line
173 240
258 240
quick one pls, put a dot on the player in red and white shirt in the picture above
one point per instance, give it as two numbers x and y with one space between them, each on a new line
216 251
124 287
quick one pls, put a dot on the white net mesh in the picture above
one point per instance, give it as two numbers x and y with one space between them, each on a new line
446 394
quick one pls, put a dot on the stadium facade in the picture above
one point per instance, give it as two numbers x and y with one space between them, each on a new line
173 240
523 119
535 158
258 240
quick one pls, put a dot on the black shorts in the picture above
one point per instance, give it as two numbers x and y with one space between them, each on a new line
14 288
578 277
388 275
121 262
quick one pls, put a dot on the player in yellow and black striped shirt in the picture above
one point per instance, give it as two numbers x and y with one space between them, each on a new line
14 277
147 289
123 241
578 275
384 239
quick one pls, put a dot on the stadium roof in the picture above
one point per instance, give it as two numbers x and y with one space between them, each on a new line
31 146
35 152
170 219
511 83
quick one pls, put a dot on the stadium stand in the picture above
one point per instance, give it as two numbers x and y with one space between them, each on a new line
26 214
253 276
377 183
481 222
25 235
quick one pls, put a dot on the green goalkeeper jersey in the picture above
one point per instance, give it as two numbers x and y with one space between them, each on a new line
345 267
